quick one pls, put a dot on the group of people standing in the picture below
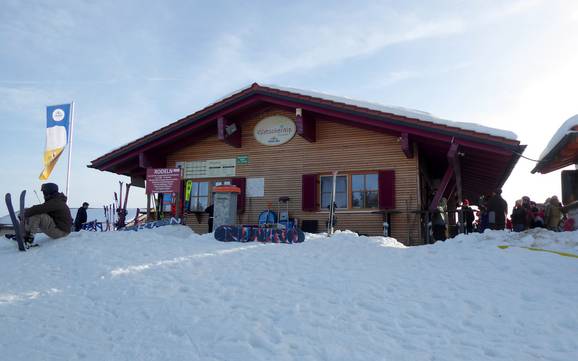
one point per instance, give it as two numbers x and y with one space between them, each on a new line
528 214
525 214
493 213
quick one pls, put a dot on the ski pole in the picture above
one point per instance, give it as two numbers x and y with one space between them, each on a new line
39 201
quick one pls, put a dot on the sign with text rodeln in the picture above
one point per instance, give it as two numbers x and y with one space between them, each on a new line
163 180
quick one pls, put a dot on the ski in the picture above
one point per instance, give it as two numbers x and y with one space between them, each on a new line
23 220
136 221
126 195
18 236
122 207
331 221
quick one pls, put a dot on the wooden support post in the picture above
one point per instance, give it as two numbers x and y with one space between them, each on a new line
442 188
148 207
454 160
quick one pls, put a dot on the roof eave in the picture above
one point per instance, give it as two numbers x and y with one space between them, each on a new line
545 165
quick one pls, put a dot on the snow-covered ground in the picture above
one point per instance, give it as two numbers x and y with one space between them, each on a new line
169 294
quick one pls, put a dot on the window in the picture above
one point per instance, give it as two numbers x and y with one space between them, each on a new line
364 191
199 197
340 191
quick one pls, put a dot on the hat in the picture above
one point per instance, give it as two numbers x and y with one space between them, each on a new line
49 188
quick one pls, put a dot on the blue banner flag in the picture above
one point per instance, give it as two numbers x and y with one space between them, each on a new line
57 130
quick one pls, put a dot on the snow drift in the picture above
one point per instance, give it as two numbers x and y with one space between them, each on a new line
170 294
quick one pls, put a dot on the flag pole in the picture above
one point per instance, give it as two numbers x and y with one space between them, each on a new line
70 148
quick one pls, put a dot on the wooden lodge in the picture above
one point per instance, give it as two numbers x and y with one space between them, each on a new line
393 164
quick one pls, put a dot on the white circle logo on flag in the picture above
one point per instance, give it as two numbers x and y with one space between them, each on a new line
58 115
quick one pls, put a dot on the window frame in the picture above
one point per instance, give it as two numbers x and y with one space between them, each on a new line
211 183
349 180
347 187
365 190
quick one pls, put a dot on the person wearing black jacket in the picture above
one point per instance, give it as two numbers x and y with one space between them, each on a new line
497 209
519 217
468 216
81 217
51 217
210 210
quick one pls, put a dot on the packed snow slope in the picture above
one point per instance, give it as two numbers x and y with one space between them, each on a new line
169 294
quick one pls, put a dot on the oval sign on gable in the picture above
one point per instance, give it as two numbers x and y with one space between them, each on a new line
274 130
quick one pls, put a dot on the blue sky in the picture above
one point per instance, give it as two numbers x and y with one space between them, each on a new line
133 66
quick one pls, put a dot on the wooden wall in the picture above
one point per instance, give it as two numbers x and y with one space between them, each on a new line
338 147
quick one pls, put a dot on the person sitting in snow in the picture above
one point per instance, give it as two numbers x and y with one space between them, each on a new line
51 217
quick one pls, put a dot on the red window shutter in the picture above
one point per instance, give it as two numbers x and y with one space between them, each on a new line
241 183
386 183
309 192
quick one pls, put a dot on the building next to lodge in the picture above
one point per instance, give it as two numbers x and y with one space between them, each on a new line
273 142
561 152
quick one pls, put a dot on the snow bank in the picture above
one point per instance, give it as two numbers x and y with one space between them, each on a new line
170 294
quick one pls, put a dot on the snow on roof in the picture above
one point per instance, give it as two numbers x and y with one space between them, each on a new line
565 129
400 111
404 112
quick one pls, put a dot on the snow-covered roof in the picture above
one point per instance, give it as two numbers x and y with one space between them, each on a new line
401 111
411 116
564 130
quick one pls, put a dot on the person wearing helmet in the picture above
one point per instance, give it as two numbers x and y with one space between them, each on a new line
51 217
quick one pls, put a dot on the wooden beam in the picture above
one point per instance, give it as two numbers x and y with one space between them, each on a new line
406 145
454 160
306 125
229 132
442 188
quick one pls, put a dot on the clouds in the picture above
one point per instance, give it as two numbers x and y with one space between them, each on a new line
309 44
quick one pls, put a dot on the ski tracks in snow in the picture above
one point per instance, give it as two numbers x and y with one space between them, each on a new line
177 260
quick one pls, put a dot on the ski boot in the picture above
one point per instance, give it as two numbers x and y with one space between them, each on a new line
29 241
